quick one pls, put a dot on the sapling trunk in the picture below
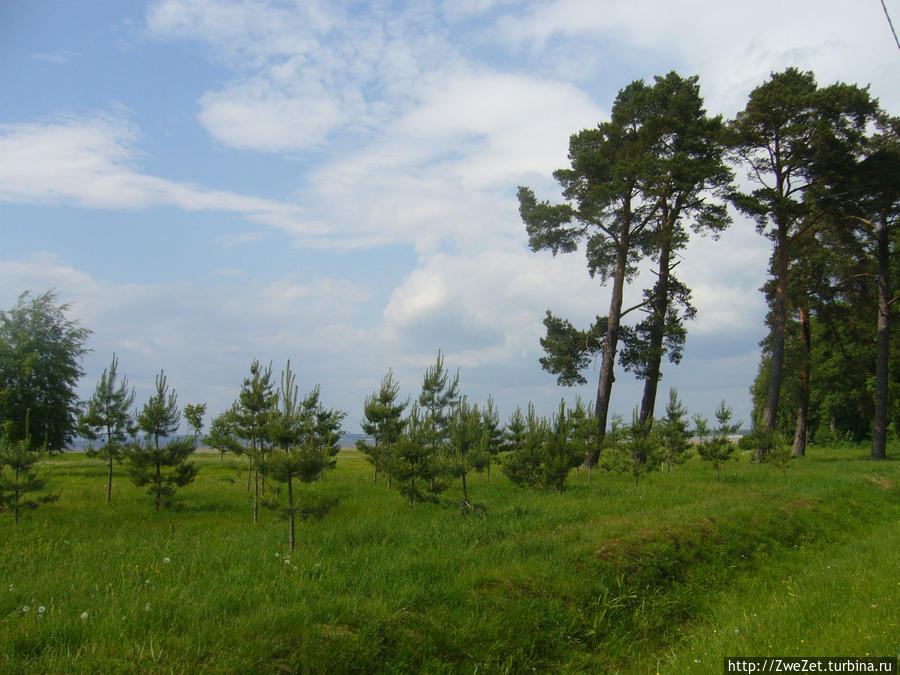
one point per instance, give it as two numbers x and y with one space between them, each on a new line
291 505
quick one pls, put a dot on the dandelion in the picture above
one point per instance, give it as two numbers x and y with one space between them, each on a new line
295 568
84 616
277 554
874 606
147 607
146 582
696 660
25 608
11 588
41 609
287 561
737 631
166 561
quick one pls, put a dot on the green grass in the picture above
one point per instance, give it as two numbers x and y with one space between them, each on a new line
669 577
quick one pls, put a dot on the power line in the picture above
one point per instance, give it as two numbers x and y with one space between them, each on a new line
890 23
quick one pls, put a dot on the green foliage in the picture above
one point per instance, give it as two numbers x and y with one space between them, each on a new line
413 457
438 398
466 444
193 413
493 433
40 355
563 449
635 449
223 435
525 440
673 432
20 477
383 421
781 453
108 418
718 449
162 469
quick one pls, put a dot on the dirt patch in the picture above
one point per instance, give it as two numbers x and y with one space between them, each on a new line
884 483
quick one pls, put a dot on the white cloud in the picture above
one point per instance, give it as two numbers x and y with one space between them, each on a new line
204 337
90 163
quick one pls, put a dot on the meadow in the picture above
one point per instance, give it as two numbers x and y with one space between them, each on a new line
667 577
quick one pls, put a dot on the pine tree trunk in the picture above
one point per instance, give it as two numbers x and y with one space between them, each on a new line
883 345
109 473
779 320
607 377
660 308
291 505
465 491
158 481
801 431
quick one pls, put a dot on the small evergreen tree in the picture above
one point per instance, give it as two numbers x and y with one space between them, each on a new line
527 437
438 398
561 452
719 448
637 449
108 418
382 420
412 457
164 468
305 436
780 454
251 414
465 450
493 430
21 478
673 432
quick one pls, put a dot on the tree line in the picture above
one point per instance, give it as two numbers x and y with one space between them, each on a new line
822 183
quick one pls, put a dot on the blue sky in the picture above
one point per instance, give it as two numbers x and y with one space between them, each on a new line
209 182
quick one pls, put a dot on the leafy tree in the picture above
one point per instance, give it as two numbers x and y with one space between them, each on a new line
223 435
164 468
383 421
108 417
438 398
40 354
787 120
193 413
673 434
719 448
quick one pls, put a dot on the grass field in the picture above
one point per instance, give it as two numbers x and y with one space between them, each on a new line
669 577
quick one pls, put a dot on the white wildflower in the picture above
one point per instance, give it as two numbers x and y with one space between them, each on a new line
166 561
84 616
147 607
26 608
41 609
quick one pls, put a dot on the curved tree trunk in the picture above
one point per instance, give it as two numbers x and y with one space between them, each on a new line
610 344
660 309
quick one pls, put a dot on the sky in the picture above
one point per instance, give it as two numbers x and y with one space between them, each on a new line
208 182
